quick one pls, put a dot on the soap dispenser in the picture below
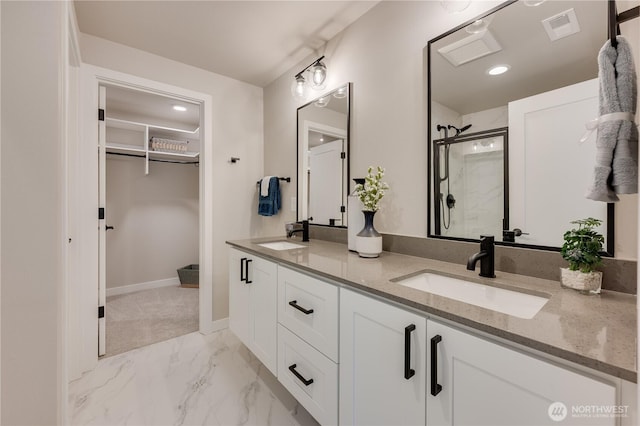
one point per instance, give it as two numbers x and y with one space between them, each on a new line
355 218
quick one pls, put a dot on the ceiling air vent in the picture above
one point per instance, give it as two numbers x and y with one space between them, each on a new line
561 25
469 48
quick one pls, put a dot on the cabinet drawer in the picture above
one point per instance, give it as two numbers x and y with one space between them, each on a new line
311 377
309 308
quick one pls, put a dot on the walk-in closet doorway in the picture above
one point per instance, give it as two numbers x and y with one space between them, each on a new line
151 213
151 146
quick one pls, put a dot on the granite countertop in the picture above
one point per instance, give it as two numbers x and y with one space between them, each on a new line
594 331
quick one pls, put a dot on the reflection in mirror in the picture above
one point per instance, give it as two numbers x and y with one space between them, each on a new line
469 171
323 163
545 93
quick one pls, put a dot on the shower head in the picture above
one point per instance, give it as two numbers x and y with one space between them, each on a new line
458 131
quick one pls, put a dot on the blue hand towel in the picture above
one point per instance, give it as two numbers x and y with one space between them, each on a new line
269 205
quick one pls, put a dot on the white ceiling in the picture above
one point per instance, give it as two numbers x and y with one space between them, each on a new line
251 41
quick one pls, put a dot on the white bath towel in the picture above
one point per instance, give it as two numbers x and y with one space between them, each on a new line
616 169
264 186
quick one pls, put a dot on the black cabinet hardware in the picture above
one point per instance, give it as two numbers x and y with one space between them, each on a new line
408 371
242 269
106 228
435 387
246 271
306 382
294 303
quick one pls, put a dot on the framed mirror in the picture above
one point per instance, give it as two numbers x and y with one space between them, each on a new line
323 158
509 94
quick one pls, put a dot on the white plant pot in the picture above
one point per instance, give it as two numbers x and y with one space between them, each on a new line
586 283
369 246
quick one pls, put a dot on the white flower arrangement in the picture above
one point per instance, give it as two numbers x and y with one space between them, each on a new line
373 189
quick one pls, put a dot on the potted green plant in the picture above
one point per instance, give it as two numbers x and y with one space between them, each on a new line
581 248
368 240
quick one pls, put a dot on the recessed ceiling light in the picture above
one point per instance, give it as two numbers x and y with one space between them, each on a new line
498 69
179 108
533 3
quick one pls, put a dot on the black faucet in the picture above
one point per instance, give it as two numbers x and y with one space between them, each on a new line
304 230
486 256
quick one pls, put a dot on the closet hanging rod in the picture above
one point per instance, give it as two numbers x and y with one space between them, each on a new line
616 19
287 179
153 159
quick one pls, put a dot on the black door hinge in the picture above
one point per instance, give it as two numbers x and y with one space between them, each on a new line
343 209
101 213
100 311
100 114
343 155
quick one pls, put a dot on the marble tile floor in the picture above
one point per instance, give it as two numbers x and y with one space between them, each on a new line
193 379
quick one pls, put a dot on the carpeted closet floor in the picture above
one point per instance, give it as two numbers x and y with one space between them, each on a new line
145 317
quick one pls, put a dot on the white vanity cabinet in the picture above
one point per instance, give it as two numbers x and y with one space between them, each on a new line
308 342
253 287
382 363
473 381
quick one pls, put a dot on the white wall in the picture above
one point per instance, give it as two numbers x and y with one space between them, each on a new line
32 182
382 54
155 220
237 131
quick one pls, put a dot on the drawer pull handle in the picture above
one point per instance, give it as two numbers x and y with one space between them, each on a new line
246 272
435 386
306 382
242 277
408 371
294 303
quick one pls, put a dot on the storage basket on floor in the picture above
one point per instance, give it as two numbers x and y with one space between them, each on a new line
189 276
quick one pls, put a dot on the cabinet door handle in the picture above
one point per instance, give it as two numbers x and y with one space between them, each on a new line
306 382
294 303
242 269
408 371
435 387
246 271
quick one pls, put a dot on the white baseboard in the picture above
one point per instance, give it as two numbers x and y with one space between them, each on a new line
168 282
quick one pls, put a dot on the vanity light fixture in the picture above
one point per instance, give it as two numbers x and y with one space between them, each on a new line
318 75
498 69
179 108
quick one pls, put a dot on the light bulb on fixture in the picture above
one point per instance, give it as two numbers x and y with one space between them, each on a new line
318 75
299 88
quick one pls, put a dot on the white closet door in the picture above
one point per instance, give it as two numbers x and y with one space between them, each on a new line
102 233
325 182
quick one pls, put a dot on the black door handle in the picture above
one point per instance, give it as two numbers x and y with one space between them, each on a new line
246 271
242 277
294 303
435 387
306 382
408 371
108 227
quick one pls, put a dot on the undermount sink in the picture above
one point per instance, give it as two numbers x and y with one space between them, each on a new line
281 245
510 302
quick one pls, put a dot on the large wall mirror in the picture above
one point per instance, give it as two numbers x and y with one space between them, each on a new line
509 95
323 158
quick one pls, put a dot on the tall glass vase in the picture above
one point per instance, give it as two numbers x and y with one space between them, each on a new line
368 241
